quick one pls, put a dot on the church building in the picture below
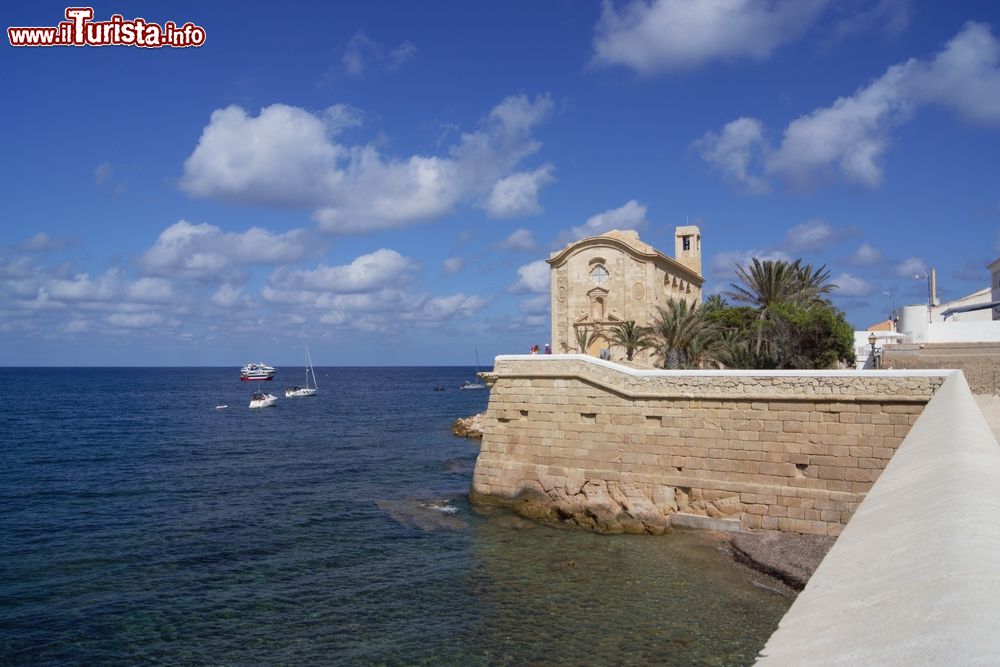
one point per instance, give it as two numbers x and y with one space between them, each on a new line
602 281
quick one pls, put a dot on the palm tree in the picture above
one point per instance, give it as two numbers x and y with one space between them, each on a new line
714 302
770 282
631 337
682 336
585 336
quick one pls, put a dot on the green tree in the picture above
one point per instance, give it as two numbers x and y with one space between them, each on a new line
631 337
683 337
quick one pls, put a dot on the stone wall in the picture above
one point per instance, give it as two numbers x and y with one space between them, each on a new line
915 578
574 439
980 362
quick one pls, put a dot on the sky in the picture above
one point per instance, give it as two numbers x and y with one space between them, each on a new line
384 180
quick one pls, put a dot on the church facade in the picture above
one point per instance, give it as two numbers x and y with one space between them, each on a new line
602 281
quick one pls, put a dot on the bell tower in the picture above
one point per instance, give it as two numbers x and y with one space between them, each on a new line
687 247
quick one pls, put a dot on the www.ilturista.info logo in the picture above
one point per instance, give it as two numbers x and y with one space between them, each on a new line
79 29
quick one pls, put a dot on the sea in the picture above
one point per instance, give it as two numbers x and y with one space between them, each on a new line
143 523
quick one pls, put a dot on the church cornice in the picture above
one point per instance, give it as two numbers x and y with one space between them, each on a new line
559 258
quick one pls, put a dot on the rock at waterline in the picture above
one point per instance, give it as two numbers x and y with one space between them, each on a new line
468 427
788 556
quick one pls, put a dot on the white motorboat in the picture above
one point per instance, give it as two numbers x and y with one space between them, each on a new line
261 400
257 372
302 392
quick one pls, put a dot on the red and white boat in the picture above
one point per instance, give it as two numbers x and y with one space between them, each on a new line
258 372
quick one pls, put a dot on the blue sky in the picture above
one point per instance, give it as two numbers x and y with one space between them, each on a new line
383 179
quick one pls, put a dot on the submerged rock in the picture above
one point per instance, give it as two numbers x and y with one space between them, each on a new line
468 427
429 515
787 556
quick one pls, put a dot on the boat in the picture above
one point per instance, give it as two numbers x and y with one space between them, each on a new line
259 372
261 400
302 392
474 384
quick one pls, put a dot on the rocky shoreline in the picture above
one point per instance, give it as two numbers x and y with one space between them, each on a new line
469 427
789 557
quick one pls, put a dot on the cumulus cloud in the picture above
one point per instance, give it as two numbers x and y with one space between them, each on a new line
866 255
849 139
532 277
229 296
134 320
632 215
536 305
371 293
366 273
452 264
912 267
206 252
814 235
853 286
651 36
517 194
520 239
733 150
287 156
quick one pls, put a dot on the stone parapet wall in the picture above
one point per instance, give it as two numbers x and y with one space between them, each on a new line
980 362
578 440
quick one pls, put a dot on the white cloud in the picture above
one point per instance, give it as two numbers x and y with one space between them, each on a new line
632 215
536 305
443 308
814 235
662 35
206 252
520 239
452 264
229 296
379 269
850 138
734 149
517 194
849 285
866 255
150 290
911 267
287 156
134 320
964 77
532 277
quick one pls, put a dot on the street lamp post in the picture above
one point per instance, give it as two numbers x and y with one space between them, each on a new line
871 341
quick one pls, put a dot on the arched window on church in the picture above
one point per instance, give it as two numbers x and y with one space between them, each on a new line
599 275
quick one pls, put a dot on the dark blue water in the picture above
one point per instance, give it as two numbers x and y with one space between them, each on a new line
139 524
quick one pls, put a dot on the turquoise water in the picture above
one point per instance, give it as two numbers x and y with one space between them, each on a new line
142 525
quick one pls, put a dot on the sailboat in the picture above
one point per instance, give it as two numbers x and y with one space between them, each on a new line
474 384
302 392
